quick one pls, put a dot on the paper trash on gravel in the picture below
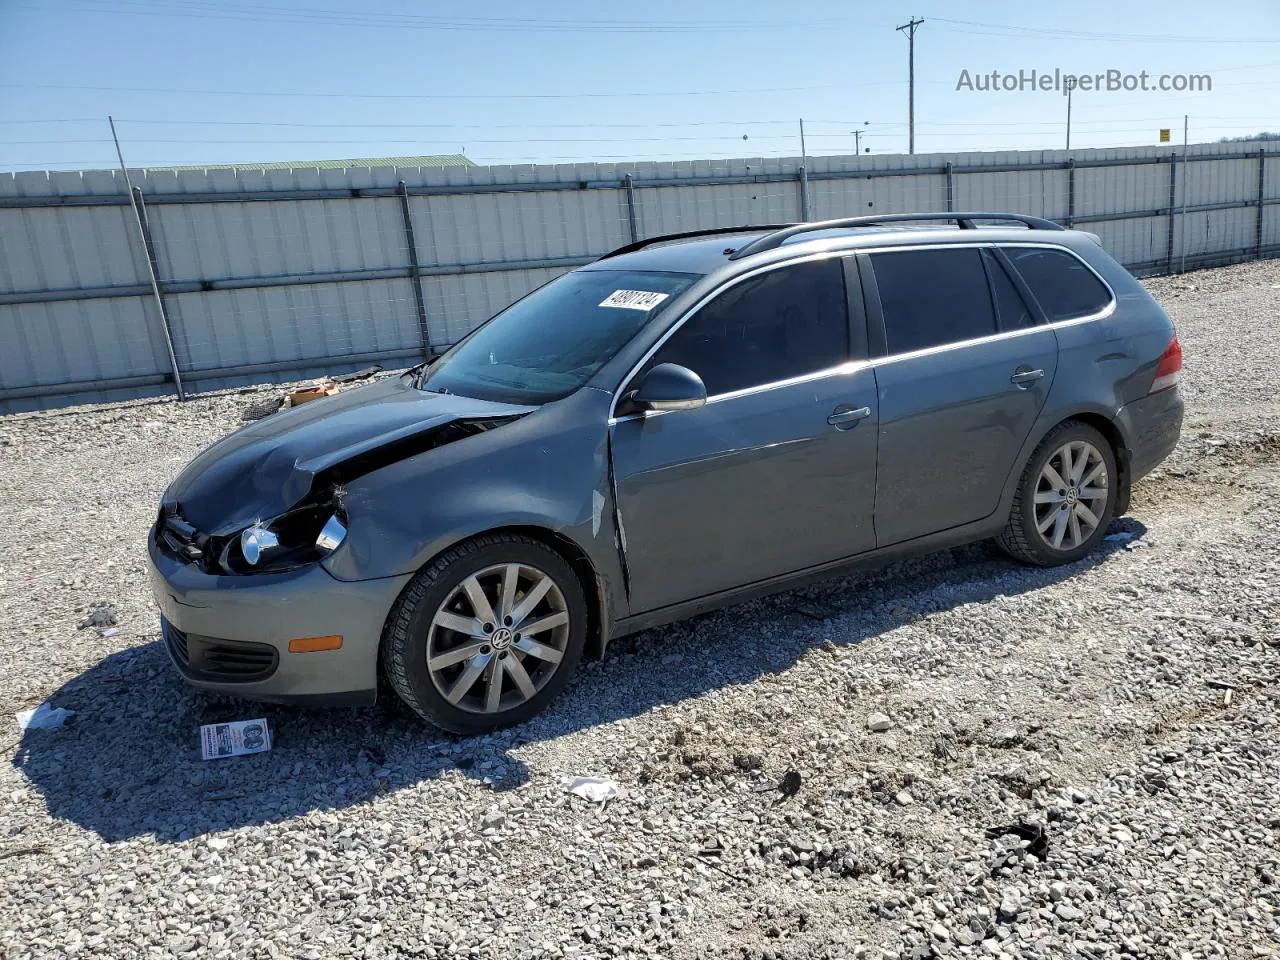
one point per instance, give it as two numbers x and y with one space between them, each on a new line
43 717
234 739
595 789
307 394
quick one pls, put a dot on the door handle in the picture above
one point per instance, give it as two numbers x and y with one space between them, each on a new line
1025 377
840 417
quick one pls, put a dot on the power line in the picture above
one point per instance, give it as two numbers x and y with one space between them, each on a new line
428 96
447 126
1008 29
1041 128
350 18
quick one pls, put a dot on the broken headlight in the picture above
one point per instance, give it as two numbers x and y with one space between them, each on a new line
301 536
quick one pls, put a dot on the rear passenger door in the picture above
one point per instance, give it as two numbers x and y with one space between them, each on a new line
964 368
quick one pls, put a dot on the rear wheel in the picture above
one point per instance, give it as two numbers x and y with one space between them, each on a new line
487 634
1066 497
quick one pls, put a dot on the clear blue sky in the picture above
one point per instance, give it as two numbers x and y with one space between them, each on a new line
193 81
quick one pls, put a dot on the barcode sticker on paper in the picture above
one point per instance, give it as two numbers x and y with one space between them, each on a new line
634 299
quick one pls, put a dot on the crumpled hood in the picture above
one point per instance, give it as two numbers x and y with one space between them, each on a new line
267 467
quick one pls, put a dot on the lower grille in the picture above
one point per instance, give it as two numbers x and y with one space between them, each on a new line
176 641
219 661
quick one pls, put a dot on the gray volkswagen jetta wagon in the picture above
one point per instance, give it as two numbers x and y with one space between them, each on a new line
688 421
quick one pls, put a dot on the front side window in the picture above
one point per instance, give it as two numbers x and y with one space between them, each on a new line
549 344
1065 287
933 297
777 325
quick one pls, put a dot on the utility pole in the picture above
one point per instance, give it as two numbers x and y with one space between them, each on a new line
857 138
804 176
910 28
1186 123
1071 85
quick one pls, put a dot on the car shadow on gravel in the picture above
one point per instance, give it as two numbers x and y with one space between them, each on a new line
128 763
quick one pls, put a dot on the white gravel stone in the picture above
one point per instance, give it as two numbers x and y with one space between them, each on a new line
878 722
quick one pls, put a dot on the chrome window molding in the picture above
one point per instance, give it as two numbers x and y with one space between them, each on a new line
850 366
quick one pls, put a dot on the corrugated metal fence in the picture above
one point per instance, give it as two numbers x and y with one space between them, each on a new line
292 273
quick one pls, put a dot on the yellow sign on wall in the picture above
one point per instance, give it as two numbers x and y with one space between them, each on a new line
1164 134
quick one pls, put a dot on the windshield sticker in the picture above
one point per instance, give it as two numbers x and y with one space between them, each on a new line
634 299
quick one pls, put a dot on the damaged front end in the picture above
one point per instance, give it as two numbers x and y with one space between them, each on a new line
270 498
306 534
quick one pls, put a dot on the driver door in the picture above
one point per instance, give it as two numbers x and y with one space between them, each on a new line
772 474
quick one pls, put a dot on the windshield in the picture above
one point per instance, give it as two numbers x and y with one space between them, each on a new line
549 344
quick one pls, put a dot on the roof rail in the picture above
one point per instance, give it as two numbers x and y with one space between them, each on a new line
962 220
650 241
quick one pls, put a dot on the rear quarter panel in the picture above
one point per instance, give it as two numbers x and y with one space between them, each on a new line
1106 363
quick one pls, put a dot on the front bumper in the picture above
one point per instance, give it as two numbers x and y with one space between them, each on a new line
1152 427
221 631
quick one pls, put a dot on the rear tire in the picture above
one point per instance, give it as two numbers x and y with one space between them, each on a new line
1065 499
453 648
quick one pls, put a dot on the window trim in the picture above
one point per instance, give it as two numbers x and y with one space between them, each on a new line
853 340
1020 284
1046 324
992 262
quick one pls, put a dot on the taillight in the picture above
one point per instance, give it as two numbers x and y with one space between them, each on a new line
1169 369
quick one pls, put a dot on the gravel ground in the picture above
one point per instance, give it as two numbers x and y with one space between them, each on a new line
1090 700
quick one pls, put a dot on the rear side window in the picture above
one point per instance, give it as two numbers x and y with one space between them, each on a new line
1065 287
781 324
933 297
1011 309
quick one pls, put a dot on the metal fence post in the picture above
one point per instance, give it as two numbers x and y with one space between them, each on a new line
415 272
804 193
1173 207
1071 192
951 188
628 184
1262 188
153 271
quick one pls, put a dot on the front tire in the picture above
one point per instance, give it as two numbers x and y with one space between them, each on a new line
1065 499
487 634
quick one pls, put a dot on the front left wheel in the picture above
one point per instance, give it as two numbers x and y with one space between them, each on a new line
487 634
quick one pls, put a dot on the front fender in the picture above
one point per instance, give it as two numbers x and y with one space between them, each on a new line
548 470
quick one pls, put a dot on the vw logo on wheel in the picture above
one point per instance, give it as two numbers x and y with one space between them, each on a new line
501 638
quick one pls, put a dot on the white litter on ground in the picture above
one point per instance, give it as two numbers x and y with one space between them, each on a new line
43 717
595 789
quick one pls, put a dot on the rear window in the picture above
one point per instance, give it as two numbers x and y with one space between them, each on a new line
1065 287
933 297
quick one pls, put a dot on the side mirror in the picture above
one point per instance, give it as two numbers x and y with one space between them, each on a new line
668 386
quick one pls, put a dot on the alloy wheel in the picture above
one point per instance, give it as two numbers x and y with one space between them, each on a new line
1071 495
498 638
